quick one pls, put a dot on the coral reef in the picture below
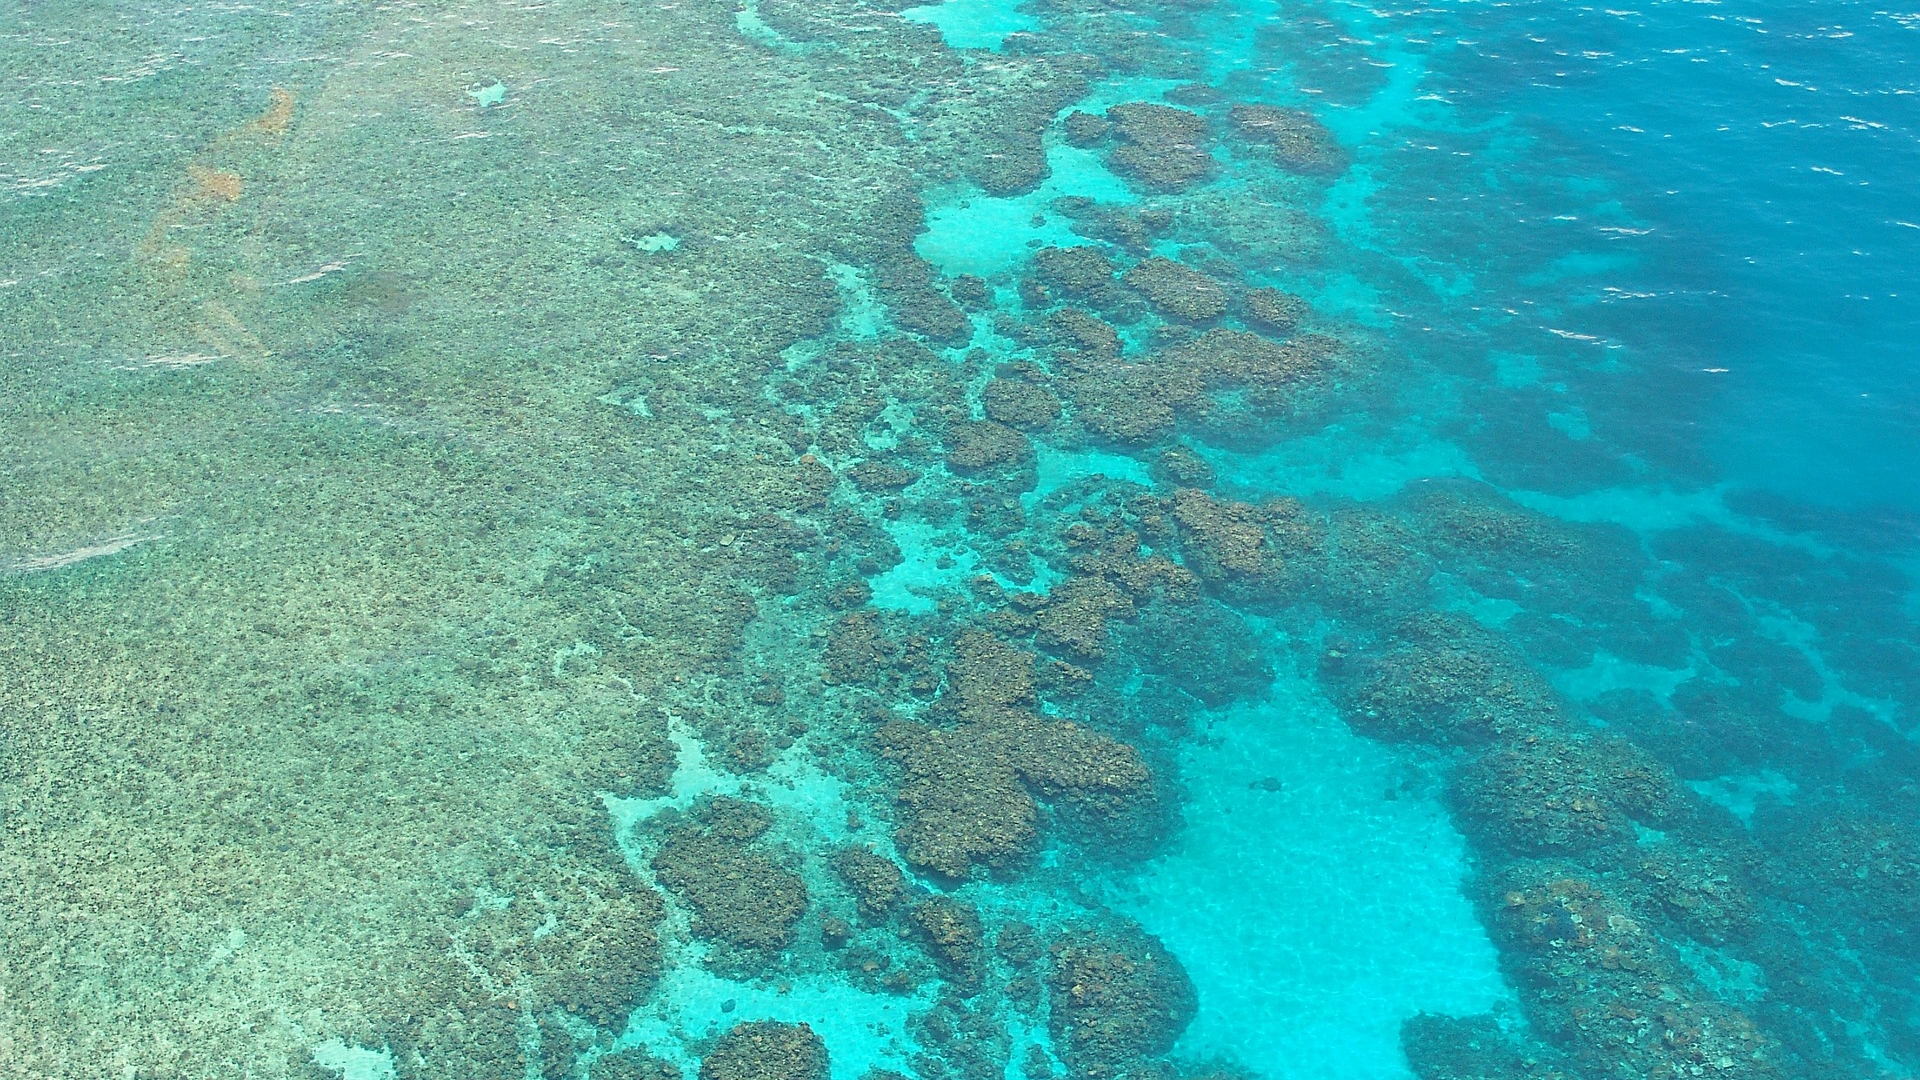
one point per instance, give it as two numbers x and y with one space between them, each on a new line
1300 142
877 884
632 1064
1441 680
1160 147
1074 271
1273 310
766 1050
1074 329
1860 867
1548 792
1204 649
1704 892
980 446
376 524
952 931
967 792
738 892
1117 996
1598 980
1019 403
1475 1048
1085 129
1223 380
1178 291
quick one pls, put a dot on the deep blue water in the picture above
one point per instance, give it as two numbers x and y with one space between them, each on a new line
1764 158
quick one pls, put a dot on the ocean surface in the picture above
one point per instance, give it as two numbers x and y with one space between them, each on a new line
749 539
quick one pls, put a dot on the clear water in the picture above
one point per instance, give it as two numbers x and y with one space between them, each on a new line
446 448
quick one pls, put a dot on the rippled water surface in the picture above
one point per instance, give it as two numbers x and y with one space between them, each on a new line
1188 541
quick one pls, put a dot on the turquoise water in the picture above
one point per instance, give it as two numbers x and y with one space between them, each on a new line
981 539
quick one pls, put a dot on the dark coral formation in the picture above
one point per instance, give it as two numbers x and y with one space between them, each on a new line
633 1064
1223 379
916 305
766 1050
1085 129
1599 980
1860 867
1703 892
979 446
1442 680
1300 142
1549 792
967 791
1020 403
1118 996
1160 147
1075 271
739 894
953 933
1204 649
1075 330
875 475
876 883
1178 291
994 127
1274 311
1475 1048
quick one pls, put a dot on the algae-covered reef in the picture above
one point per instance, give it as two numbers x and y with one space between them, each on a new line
378 483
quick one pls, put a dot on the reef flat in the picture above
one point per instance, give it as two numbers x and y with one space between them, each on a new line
854 541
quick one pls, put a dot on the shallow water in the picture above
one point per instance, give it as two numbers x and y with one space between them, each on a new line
966 540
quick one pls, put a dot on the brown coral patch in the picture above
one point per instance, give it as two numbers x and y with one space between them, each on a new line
1117 997
1275 311
980 446
738 893
871 475
1021 404
1178 291
967 792
1227 539
1161 147
766 1050
1300 142
1595 978
1071 328
1221 376
1443 680
952 930
1074 271
1074 620
877 884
